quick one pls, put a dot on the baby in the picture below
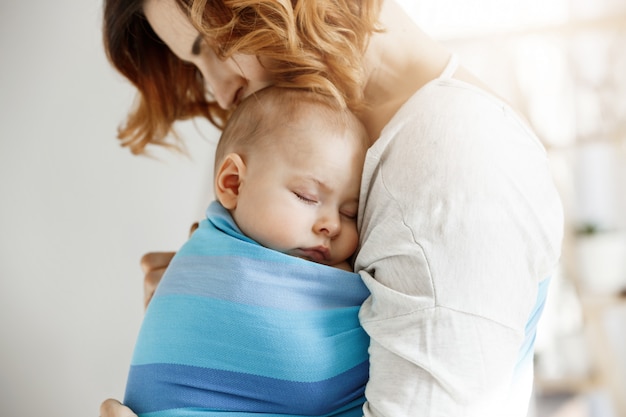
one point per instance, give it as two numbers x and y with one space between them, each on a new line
242 321
288 168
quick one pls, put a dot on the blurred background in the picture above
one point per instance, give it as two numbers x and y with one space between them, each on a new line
78 211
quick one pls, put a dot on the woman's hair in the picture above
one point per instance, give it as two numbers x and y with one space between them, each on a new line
311 44
254 123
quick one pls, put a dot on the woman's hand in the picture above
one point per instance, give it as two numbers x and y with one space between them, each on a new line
113 408
153 265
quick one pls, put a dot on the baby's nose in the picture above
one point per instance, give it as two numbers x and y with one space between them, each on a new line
329 224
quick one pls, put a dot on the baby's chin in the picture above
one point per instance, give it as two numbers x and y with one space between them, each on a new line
345 265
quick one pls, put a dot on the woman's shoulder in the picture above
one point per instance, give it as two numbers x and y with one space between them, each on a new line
455 133
456 113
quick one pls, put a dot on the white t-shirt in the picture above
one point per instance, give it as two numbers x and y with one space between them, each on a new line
461 224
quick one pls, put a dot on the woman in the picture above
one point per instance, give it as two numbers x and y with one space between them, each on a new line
460 222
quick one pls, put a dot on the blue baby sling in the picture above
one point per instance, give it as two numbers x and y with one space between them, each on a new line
239 330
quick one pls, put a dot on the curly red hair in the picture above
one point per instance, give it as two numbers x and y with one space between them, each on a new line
311 44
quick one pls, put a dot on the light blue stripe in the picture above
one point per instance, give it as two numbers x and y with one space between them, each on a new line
228 241
219 244
258 282
298 345
527 349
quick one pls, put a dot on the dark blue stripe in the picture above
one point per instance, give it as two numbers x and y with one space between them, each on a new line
158 387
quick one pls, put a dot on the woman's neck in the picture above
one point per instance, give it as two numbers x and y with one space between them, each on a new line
399 61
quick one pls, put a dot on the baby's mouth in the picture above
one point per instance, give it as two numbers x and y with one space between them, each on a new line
318 254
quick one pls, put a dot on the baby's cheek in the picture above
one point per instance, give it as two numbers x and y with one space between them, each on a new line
281 236
352 238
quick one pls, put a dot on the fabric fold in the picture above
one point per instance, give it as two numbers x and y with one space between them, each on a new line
236 329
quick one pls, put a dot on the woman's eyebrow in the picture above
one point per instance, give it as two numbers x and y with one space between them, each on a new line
195 47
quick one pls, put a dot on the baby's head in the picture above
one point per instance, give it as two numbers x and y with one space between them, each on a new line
288 168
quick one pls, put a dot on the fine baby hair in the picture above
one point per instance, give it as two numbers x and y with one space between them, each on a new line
260 115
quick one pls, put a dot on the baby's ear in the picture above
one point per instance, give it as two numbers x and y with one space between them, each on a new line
228 178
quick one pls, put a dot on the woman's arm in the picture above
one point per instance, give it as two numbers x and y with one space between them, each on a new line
460 226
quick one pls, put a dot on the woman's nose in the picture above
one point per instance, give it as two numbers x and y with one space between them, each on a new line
225 93
224 87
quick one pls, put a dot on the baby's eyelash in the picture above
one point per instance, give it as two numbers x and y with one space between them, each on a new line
349 216
306 199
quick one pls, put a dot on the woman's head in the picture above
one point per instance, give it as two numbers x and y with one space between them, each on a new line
227 79
136 51
312 44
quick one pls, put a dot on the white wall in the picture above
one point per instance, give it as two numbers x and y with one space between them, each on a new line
76 212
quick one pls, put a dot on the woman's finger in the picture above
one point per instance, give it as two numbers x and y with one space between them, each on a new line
156 260
150 283
113 408
153 265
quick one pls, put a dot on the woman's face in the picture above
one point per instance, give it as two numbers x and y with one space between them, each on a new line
229 81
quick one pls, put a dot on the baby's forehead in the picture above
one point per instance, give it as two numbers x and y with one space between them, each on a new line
278 117
308 133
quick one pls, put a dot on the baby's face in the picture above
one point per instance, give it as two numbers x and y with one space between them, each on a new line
300 194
